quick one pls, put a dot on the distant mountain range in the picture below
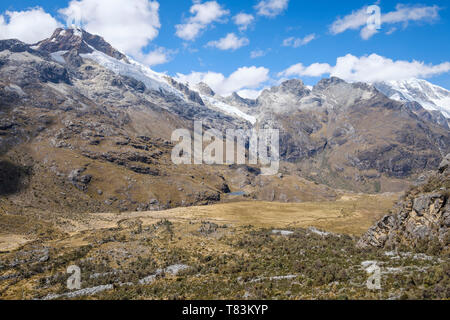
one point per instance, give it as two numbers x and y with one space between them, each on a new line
79 114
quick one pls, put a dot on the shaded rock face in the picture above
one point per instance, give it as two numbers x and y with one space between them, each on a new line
101 45
139 86
64 40
14 46
53 73
204 89
191 95
395 160
423 217
224 188
445 164
134 161
236 100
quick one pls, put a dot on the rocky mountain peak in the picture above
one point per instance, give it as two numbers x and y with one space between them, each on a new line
294 89
328 82
294 86
235 95
79 40
204 89
236 99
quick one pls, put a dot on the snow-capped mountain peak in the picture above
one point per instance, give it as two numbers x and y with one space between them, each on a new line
68 44
75 40
431 97
77 31
78 40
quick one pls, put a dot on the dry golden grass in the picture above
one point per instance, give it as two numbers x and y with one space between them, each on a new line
9 242
350 214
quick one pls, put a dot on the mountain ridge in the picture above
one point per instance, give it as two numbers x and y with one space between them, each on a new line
101 127
428 95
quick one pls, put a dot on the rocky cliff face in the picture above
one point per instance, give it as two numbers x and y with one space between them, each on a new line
350 135
421 220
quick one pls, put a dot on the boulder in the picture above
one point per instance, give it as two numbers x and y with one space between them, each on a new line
79 180
445 163
208 228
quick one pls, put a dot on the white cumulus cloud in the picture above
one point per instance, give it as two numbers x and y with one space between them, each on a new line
258 53
157 56
128 26
243 20
404 14
298 42
230 42
371 68
314 70
242 79
29 26
271 8
203 14
250 94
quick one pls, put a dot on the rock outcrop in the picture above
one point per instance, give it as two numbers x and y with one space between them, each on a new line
204 89
79 180
420 220
445 164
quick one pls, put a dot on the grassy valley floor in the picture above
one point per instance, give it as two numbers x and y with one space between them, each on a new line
237 250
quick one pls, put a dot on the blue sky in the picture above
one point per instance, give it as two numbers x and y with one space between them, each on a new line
287 36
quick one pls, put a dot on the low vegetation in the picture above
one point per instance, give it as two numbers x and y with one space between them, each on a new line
217 260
